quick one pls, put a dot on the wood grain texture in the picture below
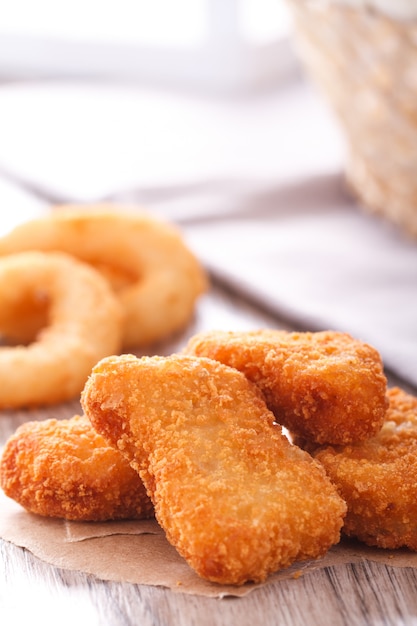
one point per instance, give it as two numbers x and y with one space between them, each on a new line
365 593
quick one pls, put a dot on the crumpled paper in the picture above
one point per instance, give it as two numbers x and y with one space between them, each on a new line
138 552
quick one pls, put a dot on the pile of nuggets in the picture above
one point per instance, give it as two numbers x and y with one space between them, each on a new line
253 450
197 439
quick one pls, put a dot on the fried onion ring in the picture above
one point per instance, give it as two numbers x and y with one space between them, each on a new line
63 468
155 276
83 324
378 478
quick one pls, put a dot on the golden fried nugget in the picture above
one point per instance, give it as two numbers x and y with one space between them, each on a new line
63 468
234 496
324 386
378 478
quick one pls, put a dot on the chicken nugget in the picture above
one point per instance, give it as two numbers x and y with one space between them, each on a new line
63 468
378 478
326 386
234 496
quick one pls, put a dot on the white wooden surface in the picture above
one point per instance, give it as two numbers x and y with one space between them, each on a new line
34 592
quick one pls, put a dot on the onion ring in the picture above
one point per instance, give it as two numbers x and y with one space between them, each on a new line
83 324
155 276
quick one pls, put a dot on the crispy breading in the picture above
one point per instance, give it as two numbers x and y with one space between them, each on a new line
63 468
325 386
234 496
378 478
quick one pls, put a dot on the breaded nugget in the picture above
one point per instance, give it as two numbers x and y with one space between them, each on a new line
65 469
234 497
378 478
326 386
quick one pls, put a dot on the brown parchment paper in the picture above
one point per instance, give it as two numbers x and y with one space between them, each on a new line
138 552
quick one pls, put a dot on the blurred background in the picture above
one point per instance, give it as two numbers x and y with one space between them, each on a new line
153 101
201 112
209 45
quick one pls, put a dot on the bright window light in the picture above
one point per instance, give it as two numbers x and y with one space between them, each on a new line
264 22
157 22
205 44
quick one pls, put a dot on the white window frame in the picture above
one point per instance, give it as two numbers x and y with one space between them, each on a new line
224 61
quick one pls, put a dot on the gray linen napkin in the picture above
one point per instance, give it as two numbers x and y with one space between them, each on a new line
306 251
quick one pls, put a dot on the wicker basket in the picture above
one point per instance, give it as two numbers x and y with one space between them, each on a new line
366 65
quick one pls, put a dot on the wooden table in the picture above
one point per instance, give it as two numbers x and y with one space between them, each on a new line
34 592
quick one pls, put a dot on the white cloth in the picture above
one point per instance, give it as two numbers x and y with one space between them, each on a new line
255 184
